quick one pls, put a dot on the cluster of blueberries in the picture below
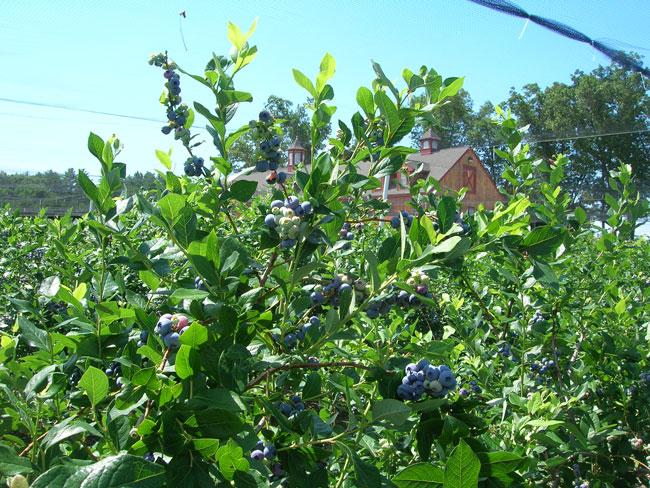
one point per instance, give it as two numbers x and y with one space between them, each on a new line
295 405
114 369
56 307
194 166
347 234
75 376
645 377
473 387
265 450
332 292
637 443
291 339
403 299
424 377
542 369
395 221
505 351
36 254
268 143
144 335
286 217
346 231
177 117
170 328
537 318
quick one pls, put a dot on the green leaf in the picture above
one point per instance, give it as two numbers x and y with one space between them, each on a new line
11 463
230 459
235 36
189 294
49 286
388 166
66 429
420 475
243 190
327 69
462 468
195 335
185 227
580 214
96 146
122 471
497 464
446 214
89 188
390 410
312 386
231 97
387 109
207 447
451 89
186 360
305 82
171 206
234 367
215 423
542 240
34 336
164 158
95 383
366 474
55 477
365 101
383 79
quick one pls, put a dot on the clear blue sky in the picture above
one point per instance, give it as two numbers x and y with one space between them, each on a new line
92 55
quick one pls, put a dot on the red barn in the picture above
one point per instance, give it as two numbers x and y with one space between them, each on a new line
454 168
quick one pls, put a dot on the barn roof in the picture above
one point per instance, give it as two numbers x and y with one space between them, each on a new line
436 163
439 162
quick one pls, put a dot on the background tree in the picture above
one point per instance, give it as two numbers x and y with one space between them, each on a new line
459 125
296 125
58 191
599 120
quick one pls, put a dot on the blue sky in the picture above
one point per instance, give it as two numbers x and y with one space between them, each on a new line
92 55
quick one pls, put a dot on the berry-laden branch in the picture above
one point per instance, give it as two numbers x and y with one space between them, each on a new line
261 377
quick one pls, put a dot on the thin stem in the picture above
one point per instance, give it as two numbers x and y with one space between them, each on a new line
287 367
163 363
343 471
488 314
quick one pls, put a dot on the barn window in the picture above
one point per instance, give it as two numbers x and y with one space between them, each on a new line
469 178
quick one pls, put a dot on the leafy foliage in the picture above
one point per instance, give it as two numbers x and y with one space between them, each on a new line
287 360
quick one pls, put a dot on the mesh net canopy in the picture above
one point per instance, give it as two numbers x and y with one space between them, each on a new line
608 50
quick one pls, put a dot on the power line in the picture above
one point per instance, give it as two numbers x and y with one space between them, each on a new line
63 107
605 134
586 136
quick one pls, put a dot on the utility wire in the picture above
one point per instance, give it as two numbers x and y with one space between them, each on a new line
585 136
63 107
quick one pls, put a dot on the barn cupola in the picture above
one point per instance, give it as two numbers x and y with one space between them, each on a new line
296 155
429 142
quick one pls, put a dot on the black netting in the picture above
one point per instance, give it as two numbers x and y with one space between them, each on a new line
616 55
560 28
503 6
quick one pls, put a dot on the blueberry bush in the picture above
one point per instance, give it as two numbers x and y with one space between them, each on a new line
205 335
